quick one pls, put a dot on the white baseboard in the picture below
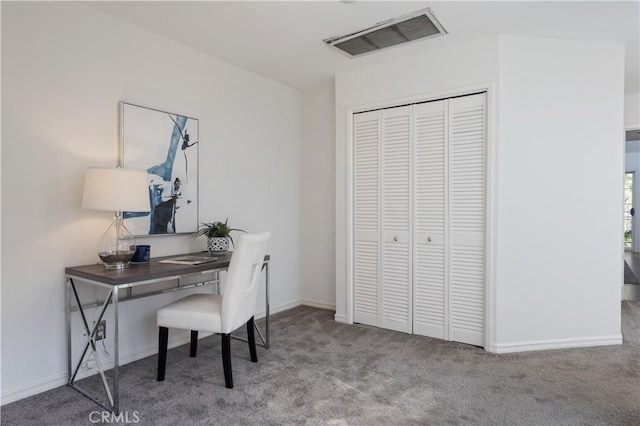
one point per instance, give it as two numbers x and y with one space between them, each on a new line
276 309
33 388
556 344
61 379
340 318
319 305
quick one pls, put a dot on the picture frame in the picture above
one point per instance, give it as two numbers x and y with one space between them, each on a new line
166 145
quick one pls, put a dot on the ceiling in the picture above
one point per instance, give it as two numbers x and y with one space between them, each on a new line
282 40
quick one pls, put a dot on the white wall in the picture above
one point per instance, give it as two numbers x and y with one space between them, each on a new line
551 284
561 160
65 67
430 74
317 182
632 111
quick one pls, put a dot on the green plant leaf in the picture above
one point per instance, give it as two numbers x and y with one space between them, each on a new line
216 229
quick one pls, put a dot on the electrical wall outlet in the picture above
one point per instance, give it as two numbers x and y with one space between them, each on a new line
101 332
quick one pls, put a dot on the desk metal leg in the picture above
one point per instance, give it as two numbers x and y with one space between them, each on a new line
265 266
89 344
116 356
68 325
266 285
265 341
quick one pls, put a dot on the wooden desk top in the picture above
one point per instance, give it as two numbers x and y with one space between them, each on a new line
148 271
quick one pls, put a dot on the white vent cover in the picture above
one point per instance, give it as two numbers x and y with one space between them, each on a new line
405 29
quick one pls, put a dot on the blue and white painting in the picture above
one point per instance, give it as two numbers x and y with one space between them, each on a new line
166 146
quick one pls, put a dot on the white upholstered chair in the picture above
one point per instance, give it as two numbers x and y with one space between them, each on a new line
220 313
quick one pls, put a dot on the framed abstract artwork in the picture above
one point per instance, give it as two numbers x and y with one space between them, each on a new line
166 146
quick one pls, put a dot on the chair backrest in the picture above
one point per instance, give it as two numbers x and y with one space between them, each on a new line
243 278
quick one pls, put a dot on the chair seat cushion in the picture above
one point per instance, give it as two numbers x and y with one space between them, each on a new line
199 312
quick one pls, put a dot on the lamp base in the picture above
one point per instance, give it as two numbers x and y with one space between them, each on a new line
116 246
116 261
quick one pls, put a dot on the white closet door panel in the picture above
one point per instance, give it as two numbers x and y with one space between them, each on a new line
396 314
366 188
467 239
429 293
395 311
430 166
467 207
467 295
396 133
367 235
366 280
430 238
396 237
430 204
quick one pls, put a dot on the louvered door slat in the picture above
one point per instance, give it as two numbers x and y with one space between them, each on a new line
430 204
466 194
366 188
396 198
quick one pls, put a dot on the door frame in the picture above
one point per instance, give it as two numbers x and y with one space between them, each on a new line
491 188
634 191
635 243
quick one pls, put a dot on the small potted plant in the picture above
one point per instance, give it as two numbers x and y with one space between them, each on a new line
218 235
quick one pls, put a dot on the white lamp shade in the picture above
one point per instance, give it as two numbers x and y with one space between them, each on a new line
116 190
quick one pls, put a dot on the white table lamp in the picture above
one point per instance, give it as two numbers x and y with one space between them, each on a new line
116 190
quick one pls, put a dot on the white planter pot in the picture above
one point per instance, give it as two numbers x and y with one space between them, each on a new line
218 244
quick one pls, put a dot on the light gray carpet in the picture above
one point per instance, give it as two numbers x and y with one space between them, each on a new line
322 372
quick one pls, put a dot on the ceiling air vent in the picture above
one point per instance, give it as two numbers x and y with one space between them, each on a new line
405 29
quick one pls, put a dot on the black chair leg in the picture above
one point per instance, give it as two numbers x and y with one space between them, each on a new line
226 359
193 349
251 338
163 339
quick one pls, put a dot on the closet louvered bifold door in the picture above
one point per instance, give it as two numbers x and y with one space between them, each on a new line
366 254
467 194
419 215
430 177
396 288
